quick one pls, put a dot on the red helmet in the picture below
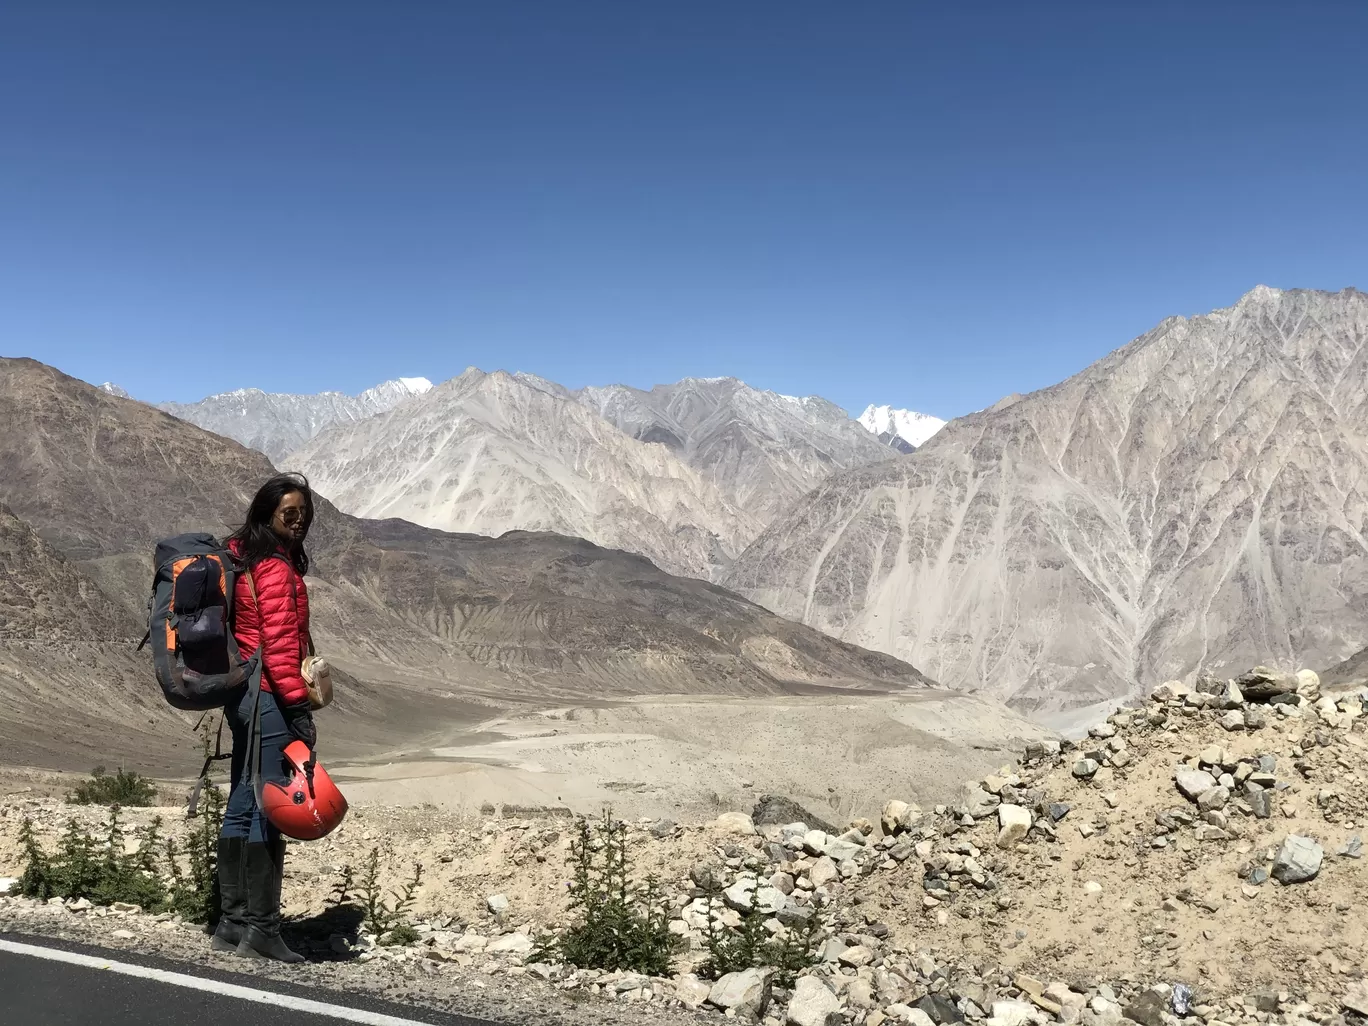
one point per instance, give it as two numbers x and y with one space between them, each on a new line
307 806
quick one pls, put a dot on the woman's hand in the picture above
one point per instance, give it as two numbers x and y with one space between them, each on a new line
301 724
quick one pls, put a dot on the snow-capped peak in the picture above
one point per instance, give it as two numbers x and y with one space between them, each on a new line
391 393
112 389
912 427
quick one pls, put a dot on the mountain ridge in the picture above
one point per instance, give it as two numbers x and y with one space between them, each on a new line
277 423
1131 523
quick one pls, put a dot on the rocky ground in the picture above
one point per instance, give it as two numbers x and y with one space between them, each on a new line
1195 860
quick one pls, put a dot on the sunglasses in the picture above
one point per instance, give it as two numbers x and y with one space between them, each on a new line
292 516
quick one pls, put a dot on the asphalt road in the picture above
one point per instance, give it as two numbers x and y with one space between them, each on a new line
125 989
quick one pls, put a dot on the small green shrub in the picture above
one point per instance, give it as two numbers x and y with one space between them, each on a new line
384 916
99 871
102 872
122 788
195 890
750 946
618 925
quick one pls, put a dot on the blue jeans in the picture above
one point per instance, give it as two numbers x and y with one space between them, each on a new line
242 818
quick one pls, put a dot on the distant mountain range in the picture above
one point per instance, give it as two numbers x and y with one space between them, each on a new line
278 423
1195 501
686 474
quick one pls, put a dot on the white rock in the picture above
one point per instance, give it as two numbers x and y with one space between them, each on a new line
859 993
1170 691
841 851
815 842
1328 711
1086 769
1193 783
1356 997
735 823
823 872
509 944
496 903
855 957
1212 799
691 991
1012 1013
979 803
1230 697
893 811
1298 859
1014 823
769 900
1233 720
813 1004
744 993
899 817
1105 1010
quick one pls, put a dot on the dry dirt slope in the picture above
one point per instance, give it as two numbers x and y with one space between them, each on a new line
1196 500
441 620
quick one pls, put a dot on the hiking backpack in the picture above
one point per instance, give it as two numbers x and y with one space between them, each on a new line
189 623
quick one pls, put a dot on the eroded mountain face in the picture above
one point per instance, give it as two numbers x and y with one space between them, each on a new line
489 453
685 474
425 621
1196 500
761 449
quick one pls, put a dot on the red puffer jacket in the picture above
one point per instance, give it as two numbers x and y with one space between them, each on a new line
280 626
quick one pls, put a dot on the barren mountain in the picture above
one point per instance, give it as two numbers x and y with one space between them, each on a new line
489 453
44 596
762 450
1196 500
427 622
277 423
500 452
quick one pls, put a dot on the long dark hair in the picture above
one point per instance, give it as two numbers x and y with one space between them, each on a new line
256 539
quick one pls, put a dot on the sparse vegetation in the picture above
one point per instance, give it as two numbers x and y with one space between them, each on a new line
385 916
150 875
194 890
750 946
101 872
123 788
619 925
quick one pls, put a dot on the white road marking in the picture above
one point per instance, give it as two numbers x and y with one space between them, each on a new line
233 990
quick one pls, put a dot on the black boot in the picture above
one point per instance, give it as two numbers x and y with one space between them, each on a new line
232 880
265 873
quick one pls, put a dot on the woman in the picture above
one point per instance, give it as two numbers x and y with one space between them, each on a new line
271 613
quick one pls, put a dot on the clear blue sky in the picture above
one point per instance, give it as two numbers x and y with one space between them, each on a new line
926 205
